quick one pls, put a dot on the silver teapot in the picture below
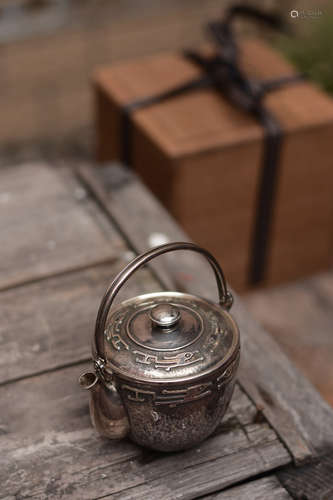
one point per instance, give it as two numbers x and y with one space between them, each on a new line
165 363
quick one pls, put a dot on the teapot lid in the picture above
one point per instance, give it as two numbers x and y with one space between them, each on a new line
169 336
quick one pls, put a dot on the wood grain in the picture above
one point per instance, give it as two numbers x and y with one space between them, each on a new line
49 449
49 324
300 317
268 488
294 408
311 482
49 226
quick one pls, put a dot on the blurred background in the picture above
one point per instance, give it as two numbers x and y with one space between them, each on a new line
49 48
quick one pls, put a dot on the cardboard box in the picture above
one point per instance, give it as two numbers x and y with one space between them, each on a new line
202 157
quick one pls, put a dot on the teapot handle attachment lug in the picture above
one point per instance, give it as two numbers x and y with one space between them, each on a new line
225 296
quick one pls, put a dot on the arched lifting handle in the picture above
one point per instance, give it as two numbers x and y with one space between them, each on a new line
225 297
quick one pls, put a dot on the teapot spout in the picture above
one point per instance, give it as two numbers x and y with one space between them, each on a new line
107 412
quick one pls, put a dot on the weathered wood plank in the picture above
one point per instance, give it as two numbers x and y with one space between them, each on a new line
311 482
299 316
295 409
49 324
130 217
49 225
197 480
267 488
49 449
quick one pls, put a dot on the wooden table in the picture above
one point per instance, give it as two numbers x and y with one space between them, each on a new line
65 234
299 315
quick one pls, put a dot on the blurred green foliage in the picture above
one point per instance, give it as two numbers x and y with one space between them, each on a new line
311 51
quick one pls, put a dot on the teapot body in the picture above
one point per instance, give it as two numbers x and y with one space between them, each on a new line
168 417
172 417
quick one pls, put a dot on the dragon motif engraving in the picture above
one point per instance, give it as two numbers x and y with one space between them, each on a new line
118 343
169 397
177 397
138 395
168 362
112 334
228 373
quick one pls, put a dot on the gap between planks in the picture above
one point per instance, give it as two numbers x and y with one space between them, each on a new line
48 325
56 274
51 225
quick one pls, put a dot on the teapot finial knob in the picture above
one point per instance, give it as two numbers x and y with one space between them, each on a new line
164 315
